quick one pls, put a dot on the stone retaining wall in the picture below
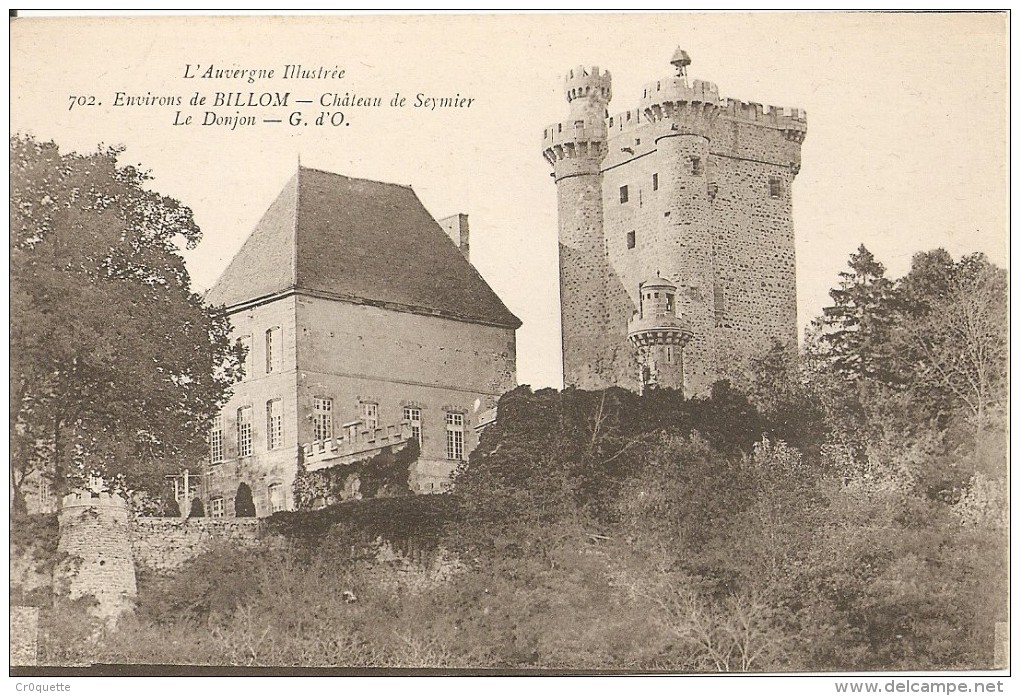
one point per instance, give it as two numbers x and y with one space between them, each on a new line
165 543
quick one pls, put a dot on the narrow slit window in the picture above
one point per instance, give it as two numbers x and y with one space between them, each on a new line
624 194
719 298
631 239
244 342
273 350
655 182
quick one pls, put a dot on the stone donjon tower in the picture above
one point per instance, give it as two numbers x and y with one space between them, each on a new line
689 194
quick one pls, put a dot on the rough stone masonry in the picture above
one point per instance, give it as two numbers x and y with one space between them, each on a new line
687 187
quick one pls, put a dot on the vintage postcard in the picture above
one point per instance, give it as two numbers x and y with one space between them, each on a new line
511 344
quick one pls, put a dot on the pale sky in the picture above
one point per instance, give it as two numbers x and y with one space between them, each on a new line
906 148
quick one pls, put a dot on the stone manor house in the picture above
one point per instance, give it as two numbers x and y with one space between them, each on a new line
365 326
675 231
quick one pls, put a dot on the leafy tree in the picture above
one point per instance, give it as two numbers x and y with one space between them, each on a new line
782 393
197 508
116 365
958 341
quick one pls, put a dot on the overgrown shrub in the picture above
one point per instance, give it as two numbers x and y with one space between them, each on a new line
381 475
244 503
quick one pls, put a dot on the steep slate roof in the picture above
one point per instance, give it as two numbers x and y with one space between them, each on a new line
362 241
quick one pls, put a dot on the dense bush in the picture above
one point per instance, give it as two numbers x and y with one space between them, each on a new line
844 513
33 556
244 502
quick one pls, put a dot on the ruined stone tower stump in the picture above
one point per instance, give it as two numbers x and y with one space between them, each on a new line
95 535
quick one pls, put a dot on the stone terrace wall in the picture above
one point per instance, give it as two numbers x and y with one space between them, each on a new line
24 636
165 543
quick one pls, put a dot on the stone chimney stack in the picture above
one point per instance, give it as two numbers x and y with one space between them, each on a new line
456 226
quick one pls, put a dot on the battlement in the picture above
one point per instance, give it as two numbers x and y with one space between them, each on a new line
92 498
782 118
678 90
486 418
355 443
577 130
690 183
625 121
579 138
658 331
589 82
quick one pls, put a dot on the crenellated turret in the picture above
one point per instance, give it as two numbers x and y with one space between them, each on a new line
95 542
691 108
578 145
694 186
575 148
659 335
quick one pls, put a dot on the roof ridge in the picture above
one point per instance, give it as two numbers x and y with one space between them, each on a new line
354 178
364 239
230 271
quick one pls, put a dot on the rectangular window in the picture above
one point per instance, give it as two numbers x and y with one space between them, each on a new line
455 436
624 194
414 416
273 350
47 501
244 431
274 424
217 506
276 501
322 418
216 440
775 187
631 239
245 343
696 168
719 301
655 182
369 415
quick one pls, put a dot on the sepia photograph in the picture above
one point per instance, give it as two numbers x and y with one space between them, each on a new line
511 344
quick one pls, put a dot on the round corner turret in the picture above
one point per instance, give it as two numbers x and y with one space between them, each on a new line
589 84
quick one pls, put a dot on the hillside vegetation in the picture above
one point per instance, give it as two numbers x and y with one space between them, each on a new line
845 509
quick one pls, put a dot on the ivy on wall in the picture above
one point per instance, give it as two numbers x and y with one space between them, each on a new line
381 476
